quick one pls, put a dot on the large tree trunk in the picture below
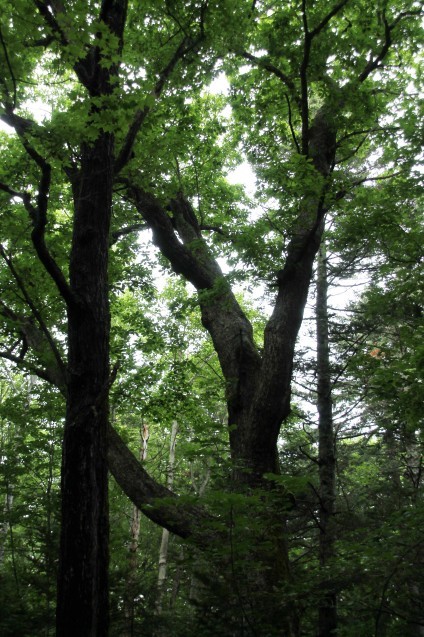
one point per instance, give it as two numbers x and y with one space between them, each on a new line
258 387
82 607
83 569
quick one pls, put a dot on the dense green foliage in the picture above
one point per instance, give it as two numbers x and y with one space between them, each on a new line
323 100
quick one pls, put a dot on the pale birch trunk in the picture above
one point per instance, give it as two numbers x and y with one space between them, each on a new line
163 551
130 593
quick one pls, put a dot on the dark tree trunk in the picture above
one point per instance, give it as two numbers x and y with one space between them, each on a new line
258 386
327 612
83 574
82 607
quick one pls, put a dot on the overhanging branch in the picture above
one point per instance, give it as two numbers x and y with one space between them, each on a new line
34 311
186 46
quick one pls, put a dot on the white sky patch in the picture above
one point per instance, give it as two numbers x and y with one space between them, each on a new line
5 128
219 85
244 175
39 110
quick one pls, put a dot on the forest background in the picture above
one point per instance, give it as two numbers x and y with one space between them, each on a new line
263 483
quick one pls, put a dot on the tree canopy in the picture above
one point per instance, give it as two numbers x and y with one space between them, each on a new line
141 287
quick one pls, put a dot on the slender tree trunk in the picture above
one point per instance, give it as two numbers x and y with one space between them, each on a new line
135 526
327 612
414 473
5 525
199 487
129 602
163 551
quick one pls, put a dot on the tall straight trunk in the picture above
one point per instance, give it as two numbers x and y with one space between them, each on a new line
135 527
163 551
83 566
327 612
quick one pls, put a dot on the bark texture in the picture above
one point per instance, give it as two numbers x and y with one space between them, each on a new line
83 575
82 607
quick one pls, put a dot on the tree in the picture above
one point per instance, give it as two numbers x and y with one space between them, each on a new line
129 98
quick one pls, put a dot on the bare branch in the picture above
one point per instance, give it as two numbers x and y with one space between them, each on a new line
122 232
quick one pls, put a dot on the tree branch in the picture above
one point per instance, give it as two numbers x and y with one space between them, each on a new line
267 66
38 215
29 367
122 232
186 520
9 66
180 241
328 17
291 123
10 191
159 504
375 63
48 12
186 45
34 311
